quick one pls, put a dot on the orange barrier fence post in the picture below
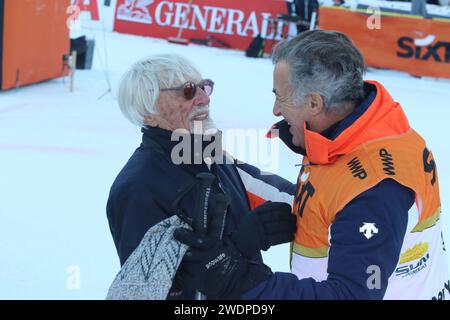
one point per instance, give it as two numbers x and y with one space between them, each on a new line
35 41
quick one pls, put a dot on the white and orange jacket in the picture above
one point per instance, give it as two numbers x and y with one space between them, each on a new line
368 212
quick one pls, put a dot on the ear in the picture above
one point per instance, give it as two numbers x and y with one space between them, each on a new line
151 120
315 104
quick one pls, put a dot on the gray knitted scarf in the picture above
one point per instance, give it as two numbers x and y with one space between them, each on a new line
149 271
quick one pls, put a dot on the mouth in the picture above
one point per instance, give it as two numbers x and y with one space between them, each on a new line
200 116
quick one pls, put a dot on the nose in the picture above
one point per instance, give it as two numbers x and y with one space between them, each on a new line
276 109
201 98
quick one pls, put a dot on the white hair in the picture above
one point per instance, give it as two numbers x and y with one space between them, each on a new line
139 87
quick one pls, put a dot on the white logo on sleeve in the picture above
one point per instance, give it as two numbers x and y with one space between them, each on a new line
368 229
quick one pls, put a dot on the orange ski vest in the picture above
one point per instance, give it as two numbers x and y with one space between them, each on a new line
379 145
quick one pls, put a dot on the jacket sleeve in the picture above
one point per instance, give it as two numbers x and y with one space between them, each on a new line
131 212
352 257
264 186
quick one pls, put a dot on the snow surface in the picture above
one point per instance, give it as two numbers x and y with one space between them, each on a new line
61 151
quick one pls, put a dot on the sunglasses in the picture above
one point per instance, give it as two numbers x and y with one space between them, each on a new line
189 89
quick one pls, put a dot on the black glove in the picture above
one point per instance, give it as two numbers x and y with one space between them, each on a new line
269 224
216 268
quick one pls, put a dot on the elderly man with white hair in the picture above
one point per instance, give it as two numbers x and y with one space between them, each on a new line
166 96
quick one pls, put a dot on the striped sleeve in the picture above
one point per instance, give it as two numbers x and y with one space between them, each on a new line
263 186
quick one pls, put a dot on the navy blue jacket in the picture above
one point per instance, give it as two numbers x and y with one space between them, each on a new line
144 190
387 204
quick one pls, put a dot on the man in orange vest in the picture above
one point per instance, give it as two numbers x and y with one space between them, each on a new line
367 201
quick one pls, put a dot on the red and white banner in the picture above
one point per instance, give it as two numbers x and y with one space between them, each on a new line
89 6
235 22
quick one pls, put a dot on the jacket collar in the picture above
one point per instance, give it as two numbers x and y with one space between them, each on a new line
166 142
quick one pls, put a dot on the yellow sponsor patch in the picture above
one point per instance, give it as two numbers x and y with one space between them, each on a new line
416 252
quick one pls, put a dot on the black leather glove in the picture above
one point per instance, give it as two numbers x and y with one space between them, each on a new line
270 224
216 268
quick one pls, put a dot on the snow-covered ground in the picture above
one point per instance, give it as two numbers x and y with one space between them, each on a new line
60 152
